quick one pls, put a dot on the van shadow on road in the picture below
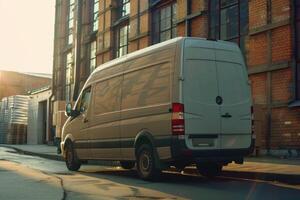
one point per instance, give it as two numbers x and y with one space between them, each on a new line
193 187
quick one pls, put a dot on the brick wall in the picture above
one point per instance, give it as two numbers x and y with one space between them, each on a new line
269 59
257 13
281 43
285 128
14 83
258 50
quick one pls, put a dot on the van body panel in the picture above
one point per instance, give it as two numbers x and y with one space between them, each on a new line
216 96
146 98
132 126
105 123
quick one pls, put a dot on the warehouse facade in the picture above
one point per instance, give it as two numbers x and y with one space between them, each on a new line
89 33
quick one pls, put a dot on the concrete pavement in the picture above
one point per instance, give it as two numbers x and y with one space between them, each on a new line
264 168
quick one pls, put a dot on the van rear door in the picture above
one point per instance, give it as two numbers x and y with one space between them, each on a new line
200 90
216 96
234 90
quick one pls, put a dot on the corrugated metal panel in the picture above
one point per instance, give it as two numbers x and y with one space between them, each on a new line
13 119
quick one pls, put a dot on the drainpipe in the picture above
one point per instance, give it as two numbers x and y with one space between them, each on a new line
294 49
77 50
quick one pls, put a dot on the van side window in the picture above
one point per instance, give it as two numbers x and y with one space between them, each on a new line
84 102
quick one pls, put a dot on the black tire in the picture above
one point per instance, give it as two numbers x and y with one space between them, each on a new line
146 163
72 162
127 164
209 170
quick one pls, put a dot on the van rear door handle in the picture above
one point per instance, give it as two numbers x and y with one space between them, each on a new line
227 115
85 120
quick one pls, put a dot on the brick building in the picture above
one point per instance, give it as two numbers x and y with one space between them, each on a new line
91 32
16 83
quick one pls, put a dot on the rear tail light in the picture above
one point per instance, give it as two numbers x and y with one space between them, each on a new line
177 119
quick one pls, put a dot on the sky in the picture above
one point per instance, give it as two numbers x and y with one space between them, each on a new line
26 35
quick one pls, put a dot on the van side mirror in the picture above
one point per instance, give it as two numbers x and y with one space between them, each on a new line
69 110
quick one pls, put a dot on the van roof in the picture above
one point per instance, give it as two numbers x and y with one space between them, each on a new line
159 46
137 53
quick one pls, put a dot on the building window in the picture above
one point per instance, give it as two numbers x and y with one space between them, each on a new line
124 8
228 20
297 47
93 49
69 76
164 23
95 15
122 39
70 21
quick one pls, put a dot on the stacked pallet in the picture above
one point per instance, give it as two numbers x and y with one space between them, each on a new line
3 120
14 113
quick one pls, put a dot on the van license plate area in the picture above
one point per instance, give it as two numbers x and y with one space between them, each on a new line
203 142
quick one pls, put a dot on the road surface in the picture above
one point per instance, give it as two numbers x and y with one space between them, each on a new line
25 177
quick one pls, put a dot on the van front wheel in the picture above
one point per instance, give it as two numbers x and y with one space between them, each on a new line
209 169
146 163
72 162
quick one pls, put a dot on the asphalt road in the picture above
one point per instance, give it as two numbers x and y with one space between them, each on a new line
25 177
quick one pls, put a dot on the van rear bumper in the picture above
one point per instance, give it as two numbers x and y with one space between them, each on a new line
180 152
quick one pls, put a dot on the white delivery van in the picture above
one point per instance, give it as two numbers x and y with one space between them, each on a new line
181 102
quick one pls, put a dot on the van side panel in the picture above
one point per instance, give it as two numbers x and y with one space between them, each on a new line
104 132
146 96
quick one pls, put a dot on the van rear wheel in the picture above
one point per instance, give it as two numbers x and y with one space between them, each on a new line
127 164
146 163
72 162
209 169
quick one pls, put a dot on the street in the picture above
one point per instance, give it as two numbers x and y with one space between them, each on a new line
26 177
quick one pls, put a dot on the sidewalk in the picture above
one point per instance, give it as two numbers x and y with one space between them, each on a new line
44 151
264 168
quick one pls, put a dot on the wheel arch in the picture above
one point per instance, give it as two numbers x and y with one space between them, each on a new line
145 137
69 139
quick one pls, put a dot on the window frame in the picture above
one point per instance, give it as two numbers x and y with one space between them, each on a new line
122 8
95 16
69 66
156 35
70 22
93 55
217 27
118 37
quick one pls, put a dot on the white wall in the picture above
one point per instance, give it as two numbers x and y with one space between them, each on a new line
35 113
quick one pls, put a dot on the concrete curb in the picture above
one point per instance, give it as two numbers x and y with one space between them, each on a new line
284 178
291 179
